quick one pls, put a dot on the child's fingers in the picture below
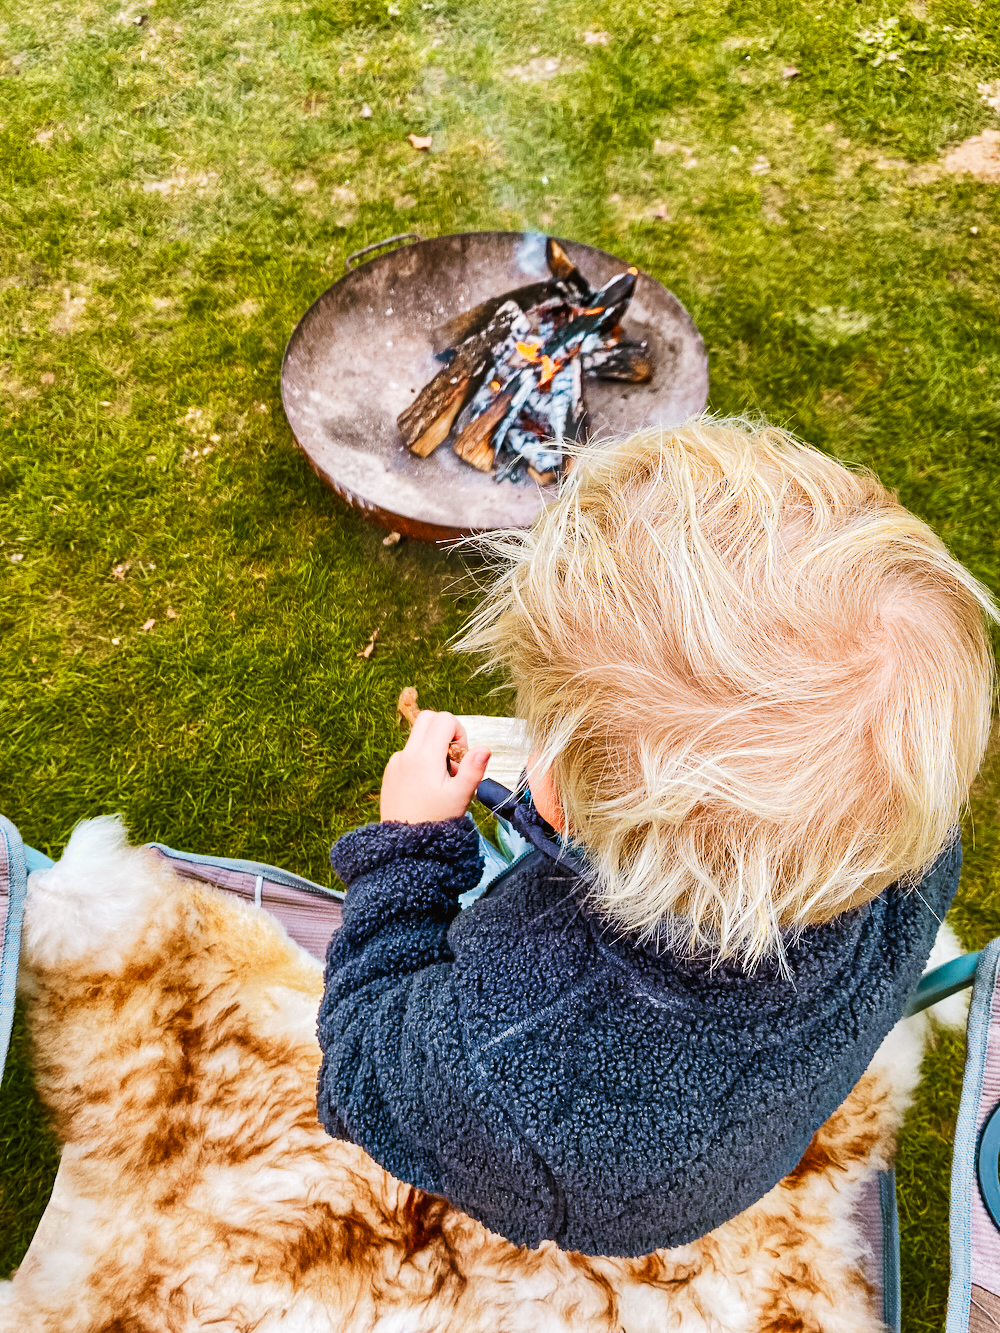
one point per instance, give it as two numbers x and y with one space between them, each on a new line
432 732
471 772
420 728
420 782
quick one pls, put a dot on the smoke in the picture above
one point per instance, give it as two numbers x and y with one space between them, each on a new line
530 255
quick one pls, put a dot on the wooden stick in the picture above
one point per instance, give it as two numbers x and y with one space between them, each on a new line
563 268
427 421
435 429
474 444
409 711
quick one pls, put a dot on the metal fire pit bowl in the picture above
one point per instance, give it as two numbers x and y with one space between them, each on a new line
362 352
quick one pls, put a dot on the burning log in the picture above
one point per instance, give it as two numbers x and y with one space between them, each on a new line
447 337
409 711
567 286
426 423
537 410
473 444
431 424
626 360
511 395
563 268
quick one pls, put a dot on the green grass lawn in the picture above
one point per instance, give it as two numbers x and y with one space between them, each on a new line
177 190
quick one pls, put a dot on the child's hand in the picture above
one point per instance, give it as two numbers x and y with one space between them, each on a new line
418 784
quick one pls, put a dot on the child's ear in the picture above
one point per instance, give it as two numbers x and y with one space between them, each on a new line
544 794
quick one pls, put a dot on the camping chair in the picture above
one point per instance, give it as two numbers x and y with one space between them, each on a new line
310 913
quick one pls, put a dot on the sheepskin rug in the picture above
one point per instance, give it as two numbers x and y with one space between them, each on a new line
174 1042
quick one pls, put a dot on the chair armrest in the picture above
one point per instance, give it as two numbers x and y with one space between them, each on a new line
942 982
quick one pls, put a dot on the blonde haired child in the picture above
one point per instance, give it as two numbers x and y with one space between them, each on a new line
758 690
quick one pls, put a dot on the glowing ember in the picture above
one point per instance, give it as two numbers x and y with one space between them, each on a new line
549 368
528 350
495 385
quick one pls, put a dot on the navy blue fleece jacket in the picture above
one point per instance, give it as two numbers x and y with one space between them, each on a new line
552 1078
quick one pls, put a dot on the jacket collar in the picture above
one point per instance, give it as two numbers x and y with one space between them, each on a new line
519 811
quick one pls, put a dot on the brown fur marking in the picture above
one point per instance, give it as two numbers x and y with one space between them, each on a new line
184 1090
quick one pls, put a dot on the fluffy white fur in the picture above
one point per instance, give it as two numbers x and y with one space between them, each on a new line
88 902
174 1039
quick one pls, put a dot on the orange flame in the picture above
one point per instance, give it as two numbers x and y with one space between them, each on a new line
549 368
528 350
495 385
634 272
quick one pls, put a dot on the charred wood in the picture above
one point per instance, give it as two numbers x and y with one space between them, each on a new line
427 421
510 397
626 360
429 426
566 286
563 268
475 443
467 324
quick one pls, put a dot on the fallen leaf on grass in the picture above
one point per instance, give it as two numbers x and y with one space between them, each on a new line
597 38
661 213
148 625
47 377
119 571
392 539
790 72
421 141
16 557
369 647
171 613
366 112
115 642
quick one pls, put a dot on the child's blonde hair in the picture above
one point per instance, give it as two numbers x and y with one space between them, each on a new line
763 686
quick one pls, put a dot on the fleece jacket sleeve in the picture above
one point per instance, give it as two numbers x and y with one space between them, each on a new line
395 1077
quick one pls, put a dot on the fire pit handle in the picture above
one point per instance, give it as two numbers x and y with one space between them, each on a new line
352 259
